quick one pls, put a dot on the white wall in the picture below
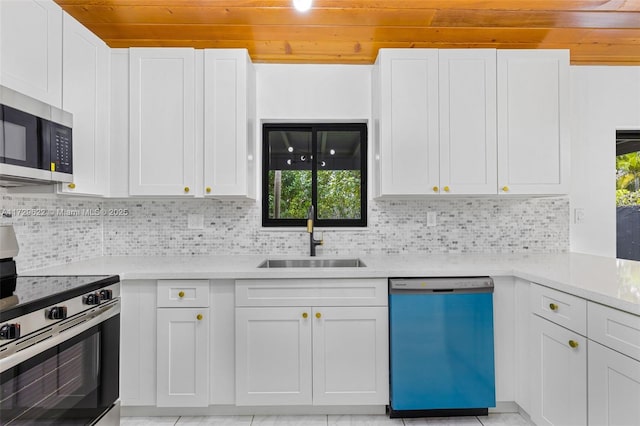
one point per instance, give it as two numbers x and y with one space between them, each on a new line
313 92
603 99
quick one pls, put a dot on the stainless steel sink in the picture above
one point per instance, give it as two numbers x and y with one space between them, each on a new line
312 263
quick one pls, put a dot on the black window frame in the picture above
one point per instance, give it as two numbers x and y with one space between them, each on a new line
314 128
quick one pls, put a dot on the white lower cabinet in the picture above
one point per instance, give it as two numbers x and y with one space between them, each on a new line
304 355
182 357
310 355
614 367
350 355
614 388
559 375
273 356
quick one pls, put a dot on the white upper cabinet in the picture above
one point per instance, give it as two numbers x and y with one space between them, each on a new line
435 122
161 121
408 123
31 49
229 124
533 121
85 94
468 141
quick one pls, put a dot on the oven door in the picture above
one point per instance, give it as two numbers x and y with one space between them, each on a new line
71 378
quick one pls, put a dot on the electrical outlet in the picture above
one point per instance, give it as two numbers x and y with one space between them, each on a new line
431 218
578 216
195 221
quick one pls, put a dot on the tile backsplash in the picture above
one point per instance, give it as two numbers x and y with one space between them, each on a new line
53 231
160 227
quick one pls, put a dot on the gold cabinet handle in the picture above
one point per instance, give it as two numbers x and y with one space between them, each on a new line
505 188
181 294
305 315
199 317
72 185
208 190
553 307
318 315
186 189
446 189
573 344
435 189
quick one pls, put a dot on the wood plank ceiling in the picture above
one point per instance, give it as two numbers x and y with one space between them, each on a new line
352 31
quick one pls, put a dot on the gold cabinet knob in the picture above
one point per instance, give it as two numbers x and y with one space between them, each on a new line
573 344
181 294
318 315
199 317
186 189
446 189
553 307
505 188
208 190
72 185
435 189
305 315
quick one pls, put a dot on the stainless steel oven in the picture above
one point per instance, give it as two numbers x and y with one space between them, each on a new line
59 354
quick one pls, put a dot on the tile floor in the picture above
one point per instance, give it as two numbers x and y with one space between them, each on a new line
509 419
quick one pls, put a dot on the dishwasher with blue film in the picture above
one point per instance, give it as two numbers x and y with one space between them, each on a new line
441 346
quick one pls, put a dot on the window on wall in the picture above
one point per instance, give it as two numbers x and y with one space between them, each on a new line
323 165
628 194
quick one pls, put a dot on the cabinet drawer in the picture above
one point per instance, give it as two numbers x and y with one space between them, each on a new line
322 292
183 293
564 309
616 329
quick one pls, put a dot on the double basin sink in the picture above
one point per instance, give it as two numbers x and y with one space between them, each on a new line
312 263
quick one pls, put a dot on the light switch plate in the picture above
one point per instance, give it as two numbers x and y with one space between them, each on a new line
578 215
195 221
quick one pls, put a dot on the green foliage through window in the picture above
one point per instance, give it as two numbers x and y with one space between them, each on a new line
628 179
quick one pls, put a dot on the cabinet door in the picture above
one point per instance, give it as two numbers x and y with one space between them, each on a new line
85 64
468 158
229 110
138 346
533 121
350 356
273 356
559 375
162 126
183 357
614 388
409 121
31 49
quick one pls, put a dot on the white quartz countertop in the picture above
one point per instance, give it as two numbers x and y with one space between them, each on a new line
612 282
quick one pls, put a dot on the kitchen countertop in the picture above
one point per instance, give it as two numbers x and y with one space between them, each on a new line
612 282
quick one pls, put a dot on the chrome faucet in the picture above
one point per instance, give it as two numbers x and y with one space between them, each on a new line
312 241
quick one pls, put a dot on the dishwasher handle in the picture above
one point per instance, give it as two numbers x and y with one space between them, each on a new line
441 285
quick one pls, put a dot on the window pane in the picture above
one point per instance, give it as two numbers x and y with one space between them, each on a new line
339 174
289 174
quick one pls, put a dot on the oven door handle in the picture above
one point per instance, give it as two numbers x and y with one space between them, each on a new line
58 334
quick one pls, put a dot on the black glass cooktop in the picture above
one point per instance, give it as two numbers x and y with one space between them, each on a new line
36 292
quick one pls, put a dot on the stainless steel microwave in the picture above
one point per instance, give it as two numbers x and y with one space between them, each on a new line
35 141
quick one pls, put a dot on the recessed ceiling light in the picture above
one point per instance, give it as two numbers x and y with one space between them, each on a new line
302 5
290 149
332 152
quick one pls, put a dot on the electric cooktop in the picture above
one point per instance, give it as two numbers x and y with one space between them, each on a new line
36 292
